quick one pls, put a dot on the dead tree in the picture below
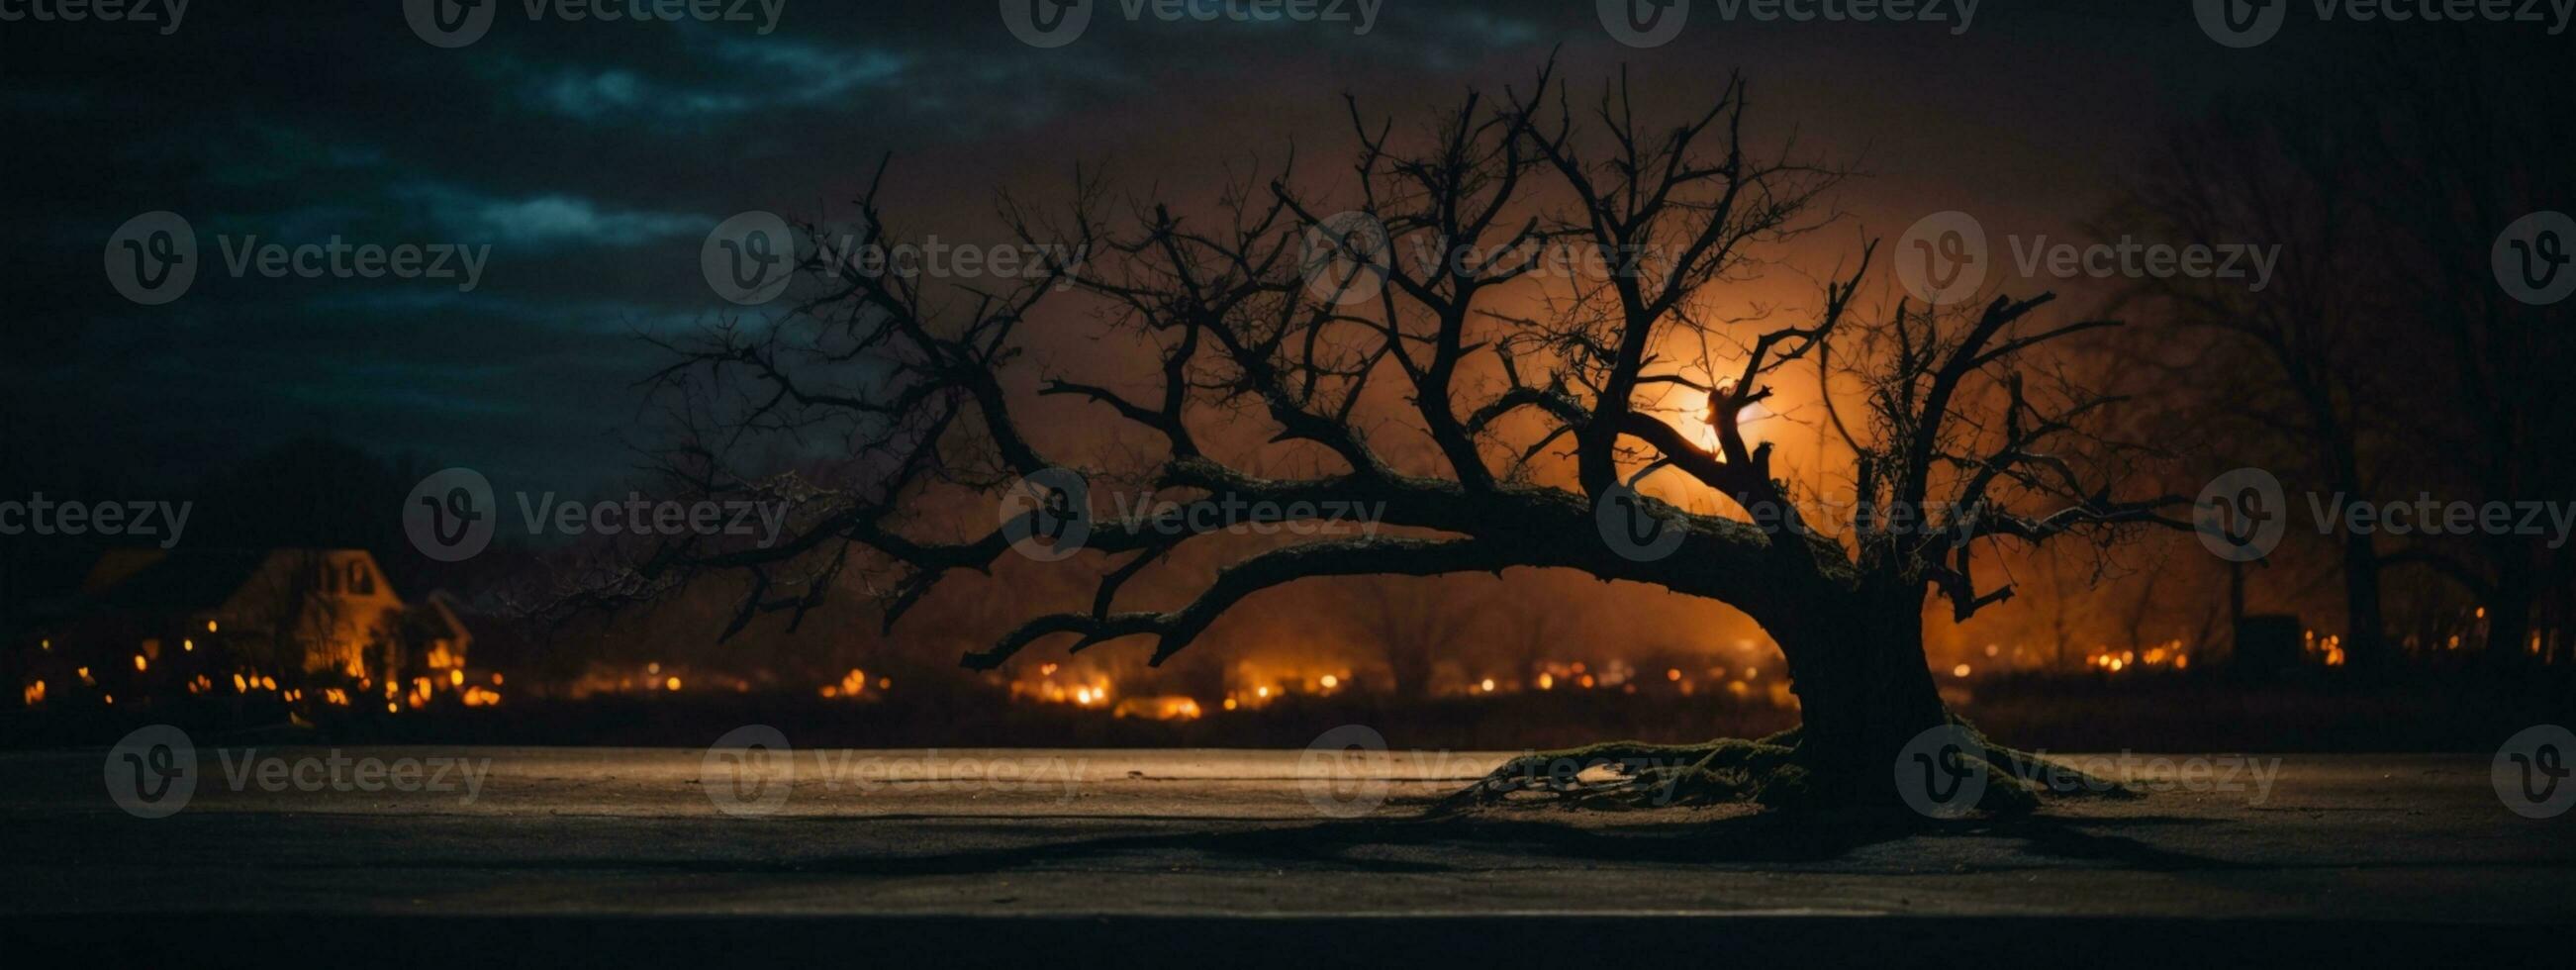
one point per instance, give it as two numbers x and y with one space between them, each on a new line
1534 390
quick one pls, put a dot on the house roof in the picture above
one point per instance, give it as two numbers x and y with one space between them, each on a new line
175 583
178 582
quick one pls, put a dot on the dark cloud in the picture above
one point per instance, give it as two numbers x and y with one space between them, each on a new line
592 157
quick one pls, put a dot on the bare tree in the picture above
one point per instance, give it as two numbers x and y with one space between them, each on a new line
1536 392
2386 362
1414 624
2297 371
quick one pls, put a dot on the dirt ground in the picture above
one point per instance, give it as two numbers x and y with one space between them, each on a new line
287 852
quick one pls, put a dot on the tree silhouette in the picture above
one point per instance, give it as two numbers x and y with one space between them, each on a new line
1534 392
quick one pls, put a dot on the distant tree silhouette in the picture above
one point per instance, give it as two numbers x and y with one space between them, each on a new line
2384 361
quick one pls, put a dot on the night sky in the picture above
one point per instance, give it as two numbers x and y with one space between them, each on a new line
592 158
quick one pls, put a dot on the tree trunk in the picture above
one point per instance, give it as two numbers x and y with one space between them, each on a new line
2365 623
2509 622
1863 689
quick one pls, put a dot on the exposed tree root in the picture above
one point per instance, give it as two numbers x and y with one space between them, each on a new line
1768 771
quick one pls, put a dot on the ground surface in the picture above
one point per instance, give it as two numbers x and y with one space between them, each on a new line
626 848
